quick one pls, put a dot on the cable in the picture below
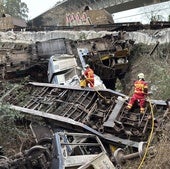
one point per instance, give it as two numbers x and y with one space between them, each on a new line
150 136
140 14
96 90
151 133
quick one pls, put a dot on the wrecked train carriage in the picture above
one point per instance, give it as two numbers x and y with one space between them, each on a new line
35 57
79 150
108 56
99 112
63 151
69 111
14 59
18 59
45 49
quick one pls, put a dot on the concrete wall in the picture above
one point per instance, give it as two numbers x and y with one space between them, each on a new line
56 15
146 37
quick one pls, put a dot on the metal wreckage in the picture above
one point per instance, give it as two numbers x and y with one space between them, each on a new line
82 128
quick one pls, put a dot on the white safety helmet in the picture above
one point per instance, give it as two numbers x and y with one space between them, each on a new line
141 76
87 65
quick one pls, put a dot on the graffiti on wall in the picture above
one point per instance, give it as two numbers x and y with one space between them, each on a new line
77 19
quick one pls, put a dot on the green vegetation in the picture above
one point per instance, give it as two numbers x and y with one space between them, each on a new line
14 8
155 67
157 70
11 135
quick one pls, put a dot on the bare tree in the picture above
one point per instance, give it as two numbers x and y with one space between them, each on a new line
158 12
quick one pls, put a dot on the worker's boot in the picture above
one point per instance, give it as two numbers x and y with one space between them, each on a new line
149 117
142 110
127 112
128 107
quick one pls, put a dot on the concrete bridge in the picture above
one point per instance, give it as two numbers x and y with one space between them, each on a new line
112 6
56 15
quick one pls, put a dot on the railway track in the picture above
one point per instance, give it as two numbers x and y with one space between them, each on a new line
125 26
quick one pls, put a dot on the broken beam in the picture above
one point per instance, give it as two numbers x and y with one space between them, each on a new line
70 122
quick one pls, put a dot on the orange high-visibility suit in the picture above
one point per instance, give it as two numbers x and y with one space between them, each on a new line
140 93
89 74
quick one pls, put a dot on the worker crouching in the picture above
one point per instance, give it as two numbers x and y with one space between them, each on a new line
140 93
87 79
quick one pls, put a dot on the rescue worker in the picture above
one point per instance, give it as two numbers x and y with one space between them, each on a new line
140 93
89 75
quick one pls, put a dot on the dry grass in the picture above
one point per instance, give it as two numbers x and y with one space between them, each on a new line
156 69
157 72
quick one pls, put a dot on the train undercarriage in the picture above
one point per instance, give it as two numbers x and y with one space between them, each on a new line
63 109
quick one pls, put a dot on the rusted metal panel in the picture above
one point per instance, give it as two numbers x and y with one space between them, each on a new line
121 53
40 132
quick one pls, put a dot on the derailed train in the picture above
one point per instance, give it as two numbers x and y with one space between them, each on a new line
108 56
102 110
72 109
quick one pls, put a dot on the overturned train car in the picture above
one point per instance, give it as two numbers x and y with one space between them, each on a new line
99 112
75 123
